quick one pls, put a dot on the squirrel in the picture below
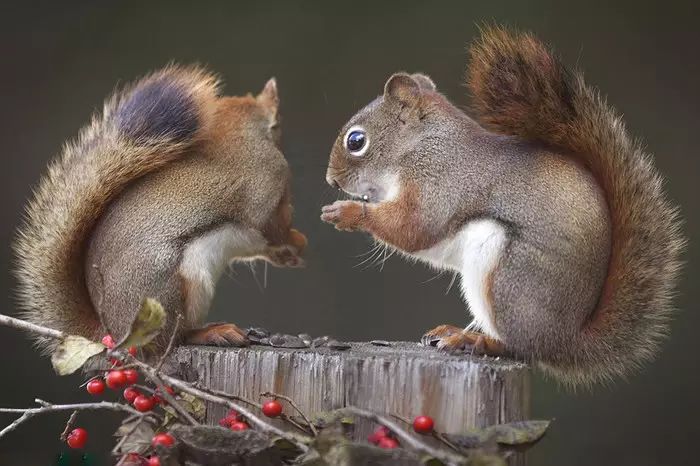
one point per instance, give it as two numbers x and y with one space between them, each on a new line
155 197
567 247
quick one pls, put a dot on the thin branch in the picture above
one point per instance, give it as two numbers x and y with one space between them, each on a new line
152 375
296 408
28 326
405 437
45 407
300 443
229 396
171 343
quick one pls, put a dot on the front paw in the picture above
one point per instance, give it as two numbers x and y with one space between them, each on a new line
345 215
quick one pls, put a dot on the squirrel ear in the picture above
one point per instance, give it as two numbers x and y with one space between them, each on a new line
269 100
268 96
424 81
402 88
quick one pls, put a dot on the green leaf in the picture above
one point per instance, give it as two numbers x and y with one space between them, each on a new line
511 434
147 324
73 352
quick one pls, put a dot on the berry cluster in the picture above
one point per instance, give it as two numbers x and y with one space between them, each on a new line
234 421
117 379
383 437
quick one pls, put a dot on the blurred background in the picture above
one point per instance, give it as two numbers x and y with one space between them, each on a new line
60 60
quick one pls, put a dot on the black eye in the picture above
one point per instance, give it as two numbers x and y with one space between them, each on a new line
356 141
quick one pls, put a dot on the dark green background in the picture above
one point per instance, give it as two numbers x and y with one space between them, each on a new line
60 60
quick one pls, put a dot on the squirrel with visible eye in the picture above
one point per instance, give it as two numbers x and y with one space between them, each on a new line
554 218
153 200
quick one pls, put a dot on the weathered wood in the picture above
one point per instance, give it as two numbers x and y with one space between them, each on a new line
406 379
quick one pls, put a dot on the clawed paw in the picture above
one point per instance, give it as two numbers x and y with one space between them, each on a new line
218 334
450 338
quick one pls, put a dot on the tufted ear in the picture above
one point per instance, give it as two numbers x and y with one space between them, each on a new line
269 99
402 88
424 81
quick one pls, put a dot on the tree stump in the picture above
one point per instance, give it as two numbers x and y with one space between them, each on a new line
405 379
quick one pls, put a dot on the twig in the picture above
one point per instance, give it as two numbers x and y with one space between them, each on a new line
28 326
405 437
69 425
222 394
152 375
437 435
291 402
45 407
256 421
171 343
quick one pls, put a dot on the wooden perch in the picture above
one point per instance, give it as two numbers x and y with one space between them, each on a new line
403 379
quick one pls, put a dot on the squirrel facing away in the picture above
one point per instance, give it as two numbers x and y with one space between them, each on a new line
555 219
154 199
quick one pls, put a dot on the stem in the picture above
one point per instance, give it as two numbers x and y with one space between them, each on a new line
69 426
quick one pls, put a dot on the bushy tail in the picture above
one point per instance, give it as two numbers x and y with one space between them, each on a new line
520 88
142 127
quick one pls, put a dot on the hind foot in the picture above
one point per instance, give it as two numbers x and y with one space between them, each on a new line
217 334
451 338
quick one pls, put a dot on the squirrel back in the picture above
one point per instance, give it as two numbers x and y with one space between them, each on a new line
142 128
520 88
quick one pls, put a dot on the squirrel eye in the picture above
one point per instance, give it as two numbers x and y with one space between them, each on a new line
356 141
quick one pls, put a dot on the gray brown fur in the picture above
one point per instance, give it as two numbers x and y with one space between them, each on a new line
586 280
167 161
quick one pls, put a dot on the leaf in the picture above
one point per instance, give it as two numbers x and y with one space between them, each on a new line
193 405
137 441
146 325
510 434
73 352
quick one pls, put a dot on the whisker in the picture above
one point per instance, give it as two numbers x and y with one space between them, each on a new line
452 282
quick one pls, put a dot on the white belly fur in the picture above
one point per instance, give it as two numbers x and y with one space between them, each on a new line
473 252
206 257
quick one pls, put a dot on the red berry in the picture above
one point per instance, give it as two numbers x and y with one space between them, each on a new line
115 379
163 439
133 351
144 403
378 434
132 376
77 438
233 414
108 341
423 424
130 394
238 425
388 443
272 408
95 386
153 461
